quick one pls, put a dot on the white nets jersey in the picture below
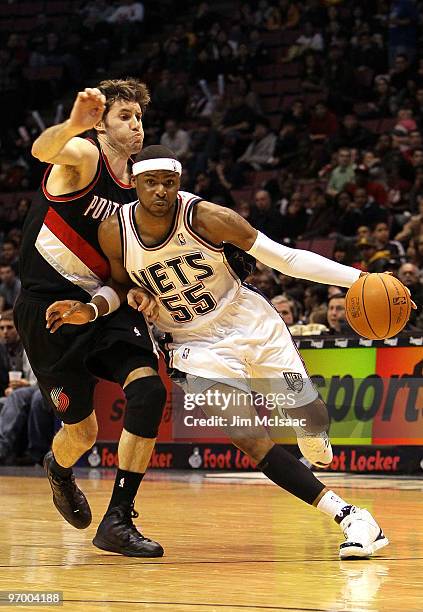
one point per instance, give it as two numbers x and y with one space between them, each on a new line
191 277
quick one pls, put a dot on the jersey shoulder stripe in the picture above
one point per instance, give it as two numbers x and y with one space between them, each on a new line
73 195
188 214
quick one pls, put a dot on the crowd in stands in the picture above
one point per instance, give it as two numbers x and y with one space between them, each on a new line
304 117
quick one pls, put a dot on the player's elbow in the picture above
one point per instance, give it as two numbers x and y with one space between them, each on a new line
38 153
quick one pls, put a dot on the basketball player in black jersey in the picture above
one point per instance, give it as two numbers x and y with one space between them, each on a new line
86 181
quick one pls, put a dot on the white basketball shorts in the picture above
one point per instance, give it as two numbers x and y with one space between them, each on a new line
247 346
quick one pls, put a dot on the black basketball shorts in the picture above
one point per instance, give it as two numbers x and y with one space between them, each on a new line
68 362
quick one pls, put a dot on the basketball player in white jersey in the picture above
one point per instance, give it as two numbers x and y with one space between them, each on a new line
225 336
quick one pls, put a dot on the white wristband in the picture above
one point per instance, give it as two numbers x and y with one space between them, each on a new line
95 311
111 297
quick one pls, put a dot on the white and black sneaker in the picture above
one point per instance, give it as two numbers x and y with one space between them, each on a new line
317 448
363 536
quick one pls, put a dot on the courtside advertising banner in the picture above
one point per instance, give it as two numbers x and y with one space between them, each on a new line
374 398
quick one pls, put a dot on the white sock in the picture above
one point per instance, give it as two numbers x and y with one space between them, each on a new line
331 504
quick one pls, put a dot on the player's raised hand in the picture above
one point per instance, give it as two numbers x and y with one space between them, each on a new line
68 311
143 301
87 109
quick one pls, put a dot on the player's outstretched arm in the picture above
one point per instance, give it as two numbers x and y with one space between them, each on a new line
59 144
218 224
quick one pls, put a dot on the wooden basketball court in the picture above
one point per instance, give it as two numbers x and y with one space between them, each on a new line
232 544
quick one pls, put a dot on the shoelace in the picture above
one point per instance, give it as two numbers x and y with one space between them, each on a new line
127 518
133 513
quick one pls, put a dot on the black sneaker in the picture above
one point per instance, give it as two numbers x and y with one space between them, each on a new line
67 497
117 533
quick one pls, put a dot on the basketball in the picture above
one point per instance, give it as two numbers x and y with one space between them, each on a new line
377 306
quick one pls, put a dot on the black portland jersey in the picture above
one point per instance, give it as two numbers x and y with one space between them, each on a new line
60 254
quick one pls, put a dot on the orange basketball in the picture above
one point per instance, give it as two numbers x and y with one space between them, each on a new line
377 306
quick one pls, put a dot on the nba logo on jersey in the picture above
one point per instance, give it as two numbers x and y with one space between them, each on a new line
181 239
185 353
294 380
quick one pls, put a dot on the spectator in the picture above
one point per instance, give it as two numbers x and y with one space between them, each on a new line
417 246
362 211
203 146
400 74
176 58
332 290
243 208
265 281
259 152
323 123
286 309
342 174
294 220
338 78
376 172
11 350
264 217
381 99
297 115
351 134
336 314
322 219
414 227
22 208
163 94
176 139
315 298
287 146
381 236
310 40
243 65
373 259
343 201
251 98
374 188
14 417
237 122
367 54
409 275
10 286
311 73
204 66
9 255
224 173
342 253
209 190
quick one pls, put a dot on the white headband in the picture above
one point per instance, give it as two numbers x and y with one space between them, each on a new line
159 163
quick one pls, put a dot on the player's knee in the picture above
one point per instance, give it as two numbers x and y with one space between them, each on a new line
84 434
145 399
